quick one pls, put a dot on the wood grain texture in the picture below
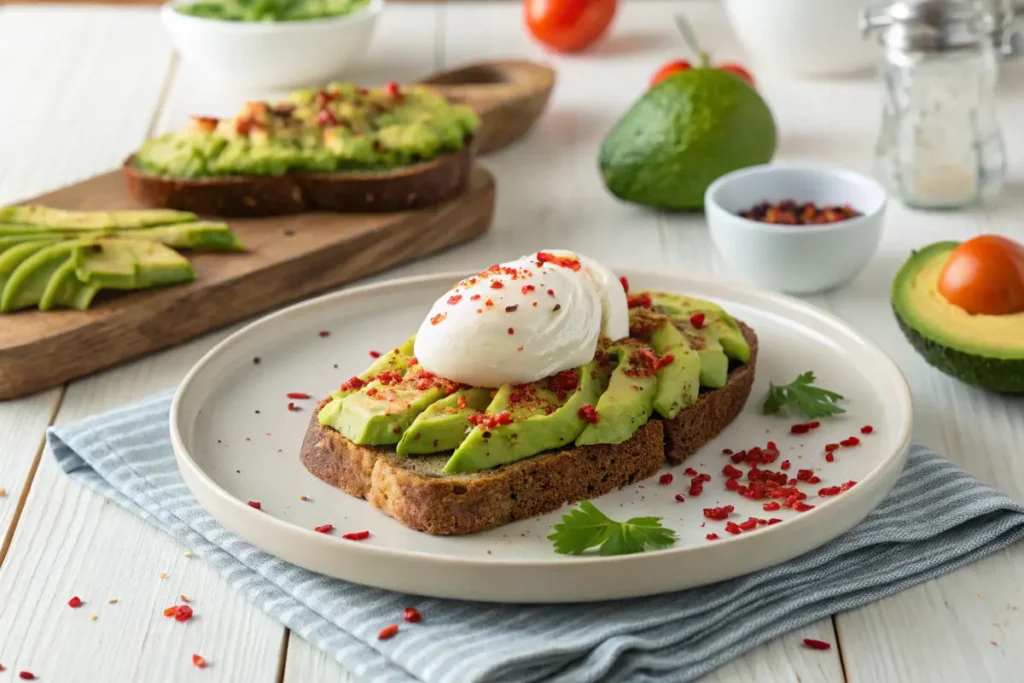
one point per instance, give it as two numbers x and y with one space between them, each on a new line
105 553
286 259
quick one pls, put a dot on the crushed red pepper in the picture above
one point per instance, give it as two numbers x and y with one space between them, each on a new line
199 661
412 615
588 413
324 528
789 212
356 536
387 632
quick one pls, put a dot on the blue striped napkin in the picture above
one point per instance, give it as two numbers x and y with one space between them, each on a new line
937 519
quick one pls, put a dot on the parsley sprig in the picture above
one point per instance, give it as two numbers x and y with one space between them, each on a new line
587 527
802 397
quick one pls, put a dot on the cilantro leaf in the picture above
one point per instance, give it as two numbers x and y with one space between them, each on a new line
802 397
587 527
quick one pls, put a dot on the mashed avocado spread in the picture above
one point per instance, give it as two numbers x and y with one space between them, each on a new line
340 127
271 10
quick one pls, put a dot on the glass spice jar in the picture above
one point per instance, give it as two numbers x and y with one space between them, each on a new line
940 145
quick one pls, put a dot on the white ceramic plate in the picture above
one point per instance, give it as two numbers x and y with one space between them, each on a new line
236 441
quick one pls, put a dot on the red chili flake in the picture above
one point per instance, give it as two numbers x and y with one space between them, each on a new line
294 408
497 284
171 611
198 661
412 615
512 309
511 330
829 491
665 478
454 299
732 472
801 506
475 297
625 284
696 488
690 472
642 300
372 391
771 446
392 89
526 289
817 644
75 602
325 333
813 425
489 303
712 537
749 524
374 354
436 320
697 320
830 457
831 447
324 528
2 668
814 480
255 504
771 506
27 675
799 429
564 261
589 413
183 613
726 451
867 429
325 118
848 485
564 382
551 292
774 520
719 513
462 402
852 441
356 536
300 395
785 465
679 498
387 632
804 475
733 528
353 384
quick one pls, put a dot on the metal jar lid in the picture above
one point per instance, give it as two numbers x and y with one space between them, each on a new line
912 26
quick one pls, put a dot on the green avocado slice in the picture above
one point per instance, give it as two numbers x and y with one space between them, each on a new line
12 256
379 413
627 403
396 360
717 323
58 219
65 289
444 424
529 429
200 235
27 284
679 380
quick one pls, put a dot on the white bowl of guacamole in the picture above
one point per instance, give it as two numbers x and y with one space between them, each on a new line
270 44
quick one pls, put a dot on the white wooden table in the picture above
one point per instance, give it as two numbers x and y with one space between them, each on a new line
82 87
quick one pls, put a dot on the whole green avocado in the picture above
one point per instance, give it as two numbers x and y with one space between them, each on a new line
684 133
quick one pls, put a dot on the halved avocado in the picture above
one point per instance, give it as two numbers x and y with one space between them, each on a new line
983 350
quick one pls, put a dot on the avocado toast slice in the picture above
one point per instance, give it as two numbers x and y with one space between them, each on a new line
339 148
420 494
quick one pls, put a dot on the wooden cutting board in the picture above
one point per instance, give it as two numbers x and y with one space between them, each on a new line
287 259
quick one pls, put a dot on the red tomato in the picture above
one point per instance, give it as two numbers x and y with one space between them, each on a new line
568 25
738 70
670 69
985 275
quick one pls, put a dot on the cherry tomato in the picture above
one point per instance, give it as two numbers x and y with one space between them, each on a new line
738 70
568 25
670 69
985 275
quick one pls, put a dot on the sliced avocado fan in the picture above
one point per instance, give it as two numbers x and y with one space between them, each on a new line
46 217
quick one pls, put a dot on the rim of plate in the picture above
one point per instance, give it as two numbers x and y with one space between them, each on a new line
902 397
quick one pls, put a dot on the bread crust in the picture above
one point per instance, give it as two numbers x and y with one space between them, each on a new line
401 189
414 491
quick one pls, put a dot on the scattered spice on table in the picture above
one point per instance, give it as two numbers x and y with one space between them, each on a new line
93 617
163 576
815 644
387 632
27 675
789 212
199 661
325 333
3 492
412 615
299 395
183 598
665 478
303 497
255 504
188 554
112 601
75 602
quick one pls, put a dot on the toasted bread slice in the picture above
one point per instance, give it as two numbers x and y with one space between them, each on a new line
416 492
714 410
400 189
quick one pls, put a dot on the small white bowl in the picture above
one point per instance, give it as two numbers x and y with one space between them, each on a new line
796 259
810 38
271 55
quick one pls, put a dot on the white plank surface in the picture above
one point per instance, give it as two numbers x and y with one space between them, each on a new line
83 106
